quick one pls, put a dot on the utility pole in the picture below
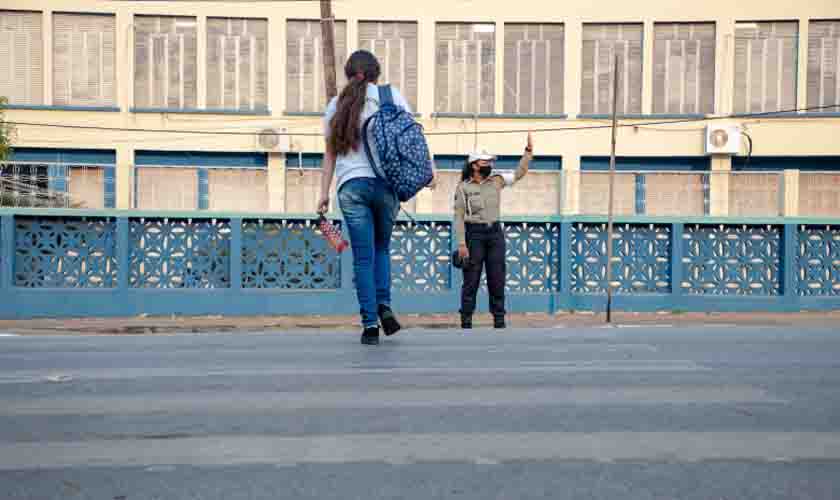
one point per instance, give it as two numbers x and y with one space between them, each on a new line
328 48
611 191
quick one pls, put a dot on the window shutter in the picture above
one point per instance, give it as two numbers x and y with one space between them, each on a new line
465 75
21 57
84 60
165 68
765 66
601 43
395 45
534 68
824 65
305 67
237 63
684 68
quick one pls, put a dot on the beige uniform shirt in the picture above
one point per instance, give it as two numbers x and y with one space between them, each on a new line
479 202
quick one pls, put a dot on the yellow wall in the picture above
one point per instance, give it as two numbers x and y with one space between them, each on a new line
788 137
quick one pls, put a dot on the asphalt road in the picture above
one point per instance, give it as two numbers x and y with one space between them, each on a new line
720 412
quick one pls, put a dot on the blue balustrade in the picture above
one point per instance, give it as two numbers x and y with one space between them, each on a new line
58 263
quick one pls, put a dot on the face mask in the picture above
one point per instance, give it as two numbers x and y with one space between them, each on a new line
485 171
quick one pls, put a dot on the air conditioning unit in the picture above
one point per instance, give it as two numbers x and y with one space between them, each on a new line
723 139
272 140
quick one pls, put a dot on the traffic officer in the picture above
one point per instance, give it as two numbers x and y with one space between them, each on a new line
481 241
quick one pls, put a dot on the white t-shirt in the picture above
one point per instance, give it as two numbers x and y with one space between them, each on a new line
355 164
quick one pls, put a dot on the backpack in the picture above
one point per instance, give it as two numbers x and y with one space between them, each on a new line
404 159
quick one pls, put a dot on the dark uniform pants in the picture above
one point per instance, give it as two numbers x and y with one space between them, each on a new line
487 251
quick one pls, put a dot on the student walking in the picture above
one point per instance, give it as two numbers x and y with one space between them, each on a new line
481 241
368 203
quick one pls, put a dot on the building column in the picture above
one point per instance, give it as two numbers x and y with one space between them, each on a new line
47 34
352 42
802 65
201 60
124 177
424 201
426 67
276 64
790 193
125 64
570 186
499 64
719 185
572 67
647 68
276 182
724 66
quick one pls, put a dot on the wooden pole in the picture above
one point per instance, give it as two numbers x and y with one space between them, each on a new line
328 48
612 191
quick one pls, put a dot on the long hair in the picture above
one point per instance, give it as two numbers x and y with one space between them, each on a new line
345 127
467 171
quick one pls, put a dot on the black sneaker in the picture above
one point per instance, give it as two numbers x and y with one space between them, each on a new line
388 320
499 322
370 336
466 322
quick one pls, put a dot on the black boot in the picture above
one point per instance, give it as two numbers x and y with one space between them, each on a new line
466 321
370 336
499 322
388 320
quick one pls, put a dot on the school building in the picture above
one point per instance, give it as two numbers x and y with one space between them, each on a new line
174 105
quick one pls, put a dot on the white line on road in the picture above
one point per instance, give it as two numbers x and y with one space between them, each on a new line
401 448
598 366
277 402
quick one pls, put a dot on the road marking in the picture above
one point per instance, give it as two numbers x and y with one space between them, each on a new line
160 468
643 326
598 366
9 335
399 448
210 402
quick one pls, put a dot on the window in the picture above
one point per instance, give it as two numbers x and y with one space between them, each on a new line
824 65
21 57
304 65
237 63
395 45
58 178
84 66
684 68
534 68
27 185
601 43
765 66
465 77
189 180
165 64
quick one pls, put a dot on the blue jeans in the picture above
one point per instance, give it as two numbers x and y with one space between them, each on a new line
370 208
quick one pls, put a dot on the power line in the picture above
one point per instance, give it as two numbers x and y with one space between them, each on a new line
456 133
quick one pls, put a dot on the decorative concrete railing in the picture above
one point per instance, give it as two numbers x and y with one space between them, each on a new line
62 263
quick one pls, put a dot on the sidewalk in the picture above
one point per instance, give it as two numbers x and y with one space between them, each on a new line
214 324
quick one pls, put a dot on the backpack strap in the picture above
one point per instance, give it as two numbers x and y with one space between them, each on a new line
368 151
386 98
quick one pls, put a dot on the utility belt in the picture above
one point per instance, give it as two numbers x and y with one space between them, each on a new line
483 227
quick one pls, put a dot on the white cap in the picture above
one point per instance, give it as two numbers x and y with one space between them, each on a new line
481 155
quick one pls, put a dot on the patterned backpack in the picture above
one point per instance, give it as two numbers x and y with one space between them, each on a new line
404 159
